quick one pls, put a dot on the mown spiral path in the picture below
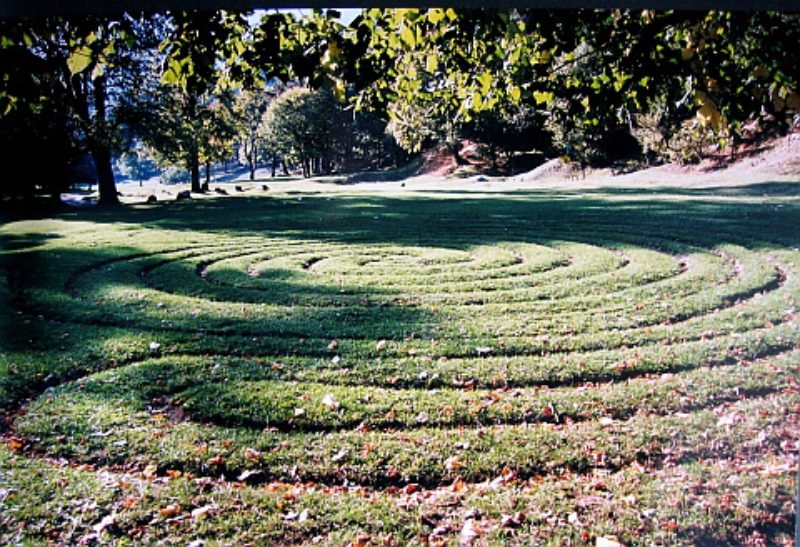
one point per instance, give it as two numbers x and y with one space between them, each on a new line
429 342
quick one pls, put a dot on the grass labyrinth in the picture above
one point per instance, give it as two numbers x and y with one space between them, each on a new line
525 367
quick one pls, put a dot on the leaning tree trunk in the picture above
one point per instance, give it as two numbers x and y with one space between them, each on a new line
101 153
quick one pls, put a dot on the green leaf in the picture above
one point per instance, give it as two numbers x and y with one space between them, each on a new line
515 93
98 71
542 97
171 76
435 15
431 63
407 35
79 60
451 14
485 80
339 90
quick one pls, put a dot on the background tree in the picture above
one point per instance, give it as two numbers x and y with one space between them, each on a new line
249 109
137 163
78 58
202 56
298 124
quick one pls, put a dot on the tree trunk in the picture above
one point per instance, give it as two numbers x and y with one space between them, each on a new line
208 172
253 160
194 152
194 169
105 176
100 151
285 168
274 166
304 166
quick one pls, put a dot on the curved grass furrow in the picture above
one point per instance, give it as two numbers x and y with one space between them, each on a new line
487 345
702 302
121 430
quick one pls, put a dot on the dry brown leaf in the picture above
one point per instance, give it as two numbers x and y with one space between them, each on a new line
170 510
453 463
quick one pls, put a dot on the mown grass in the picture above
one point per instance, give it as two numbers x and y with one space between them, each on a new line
525 367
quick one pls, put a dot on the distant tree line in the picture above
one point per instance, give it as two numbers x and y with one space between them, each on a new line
189 90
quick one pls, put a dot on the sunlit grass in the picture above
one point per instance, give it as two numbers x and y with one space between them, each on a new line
331 367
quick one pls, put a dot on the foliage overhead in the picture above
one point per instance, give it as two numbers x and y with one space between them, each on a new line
678 81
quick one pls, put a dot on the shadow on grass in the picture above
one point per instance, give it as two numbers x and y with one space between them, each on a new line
608 217
468 219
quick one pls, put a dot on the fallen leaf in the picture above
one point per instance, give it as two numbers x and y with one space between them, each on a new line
150 471
130 503
154 346
244 475
330 401
252 454
299 412
16 444
333 345
469 533
453 463
104 523
608 541
216 460
171 510
370 447
483 351
201 512
729 419
380 345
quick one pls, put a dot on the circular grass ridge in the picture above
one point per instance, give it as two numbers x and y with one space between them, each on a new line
422 349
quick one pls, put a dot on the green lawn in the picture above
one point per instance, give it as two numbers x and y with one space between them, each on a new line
524 367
